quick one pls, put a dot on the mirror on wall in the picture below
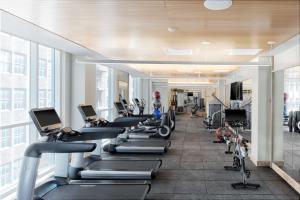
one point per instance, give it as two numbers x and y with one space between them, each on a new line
286 147
291 122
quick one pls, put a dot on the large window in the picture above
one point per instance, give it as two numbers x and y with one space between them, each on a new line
5 99
5 61
19 63
45 98
5 138
19 135
46 80
19 98
104 91
22 87
5 174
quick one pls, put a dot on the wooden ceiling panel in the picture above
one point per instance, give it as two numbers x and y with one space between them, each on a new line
137 30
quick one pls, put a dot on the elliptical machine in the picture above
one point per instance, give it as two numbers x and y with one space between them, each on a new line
236 118
156 128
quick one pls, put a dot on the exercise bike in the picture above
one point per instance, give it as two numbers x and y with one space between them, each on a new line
237 119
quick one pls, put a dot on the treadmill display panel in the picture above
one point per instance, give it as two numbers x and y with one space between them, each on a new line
88 111
124 101
119 106
46 120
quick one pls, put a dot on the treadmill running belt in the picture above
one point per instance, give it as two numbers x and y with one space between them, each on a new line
92 192
144 143
133 165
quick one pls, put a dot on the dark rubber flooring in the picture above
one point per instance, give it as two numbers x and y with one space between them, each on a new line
194 169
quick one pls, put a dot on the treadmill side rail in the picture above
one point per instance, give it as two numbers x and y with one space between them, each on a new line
118 175
133 149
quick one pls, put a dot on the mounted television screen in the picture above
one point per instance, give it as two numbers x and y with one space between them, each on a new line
190 94
236 91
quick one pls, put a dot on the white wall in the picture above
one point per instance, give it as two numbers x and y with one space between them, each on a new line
66 64
287 54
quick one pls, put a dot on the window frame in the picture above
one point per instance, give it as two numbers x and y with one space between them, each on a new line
108 91
9 100
10 63
24 100
2 148
13 141
6 165
14 54
31 97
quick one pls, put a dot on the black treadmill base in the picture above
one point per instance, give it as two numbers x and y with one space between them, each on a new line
242 185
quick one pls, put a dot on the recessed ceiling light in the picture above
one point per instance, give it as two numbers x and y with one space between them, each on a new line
243 52
190 82
205 43
217 4
271 42
172 29
179 52
220 71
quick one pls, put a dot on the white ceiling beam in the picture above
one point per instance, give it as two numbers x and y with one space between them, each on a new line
184 77
91 61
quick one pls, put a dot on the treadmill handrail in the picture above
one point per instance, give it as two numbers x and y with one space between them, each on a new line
30 163
37 149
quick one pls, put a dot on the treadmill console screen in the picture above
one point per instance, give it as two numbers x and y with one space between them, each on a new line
119 106
45 120
235 115
88 111
124 101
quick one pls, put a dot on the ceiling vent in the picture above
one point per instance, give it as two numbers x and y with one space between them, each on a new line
179 52
243 52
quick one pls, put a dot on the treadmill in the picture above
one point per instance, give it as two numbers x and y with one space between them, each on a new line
94 166
122 144
57 140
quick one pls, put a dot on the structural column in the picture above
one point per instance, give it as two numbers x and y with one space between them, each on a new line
221 90
277 113
261 116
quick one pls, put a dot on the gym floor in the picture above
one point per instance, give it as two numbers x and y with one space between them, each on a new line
193 169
